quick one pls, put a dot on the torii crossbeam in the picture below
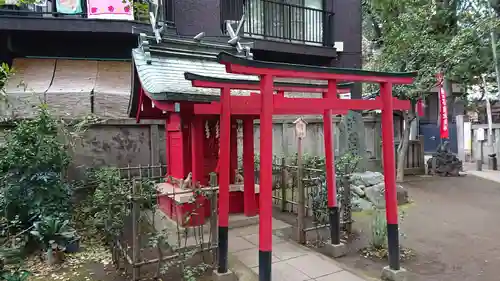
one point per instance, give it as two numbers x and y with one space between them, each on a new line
265 105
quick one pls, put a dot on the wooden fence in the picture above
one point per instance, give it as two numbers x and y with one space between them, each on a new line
143 242
286 196
415 160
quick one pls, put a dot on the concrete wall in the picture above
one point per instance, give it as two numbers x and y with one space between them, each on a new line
487 149
285 141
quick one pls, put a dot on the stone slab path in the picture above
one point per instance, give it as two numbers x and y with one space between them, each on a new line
291 261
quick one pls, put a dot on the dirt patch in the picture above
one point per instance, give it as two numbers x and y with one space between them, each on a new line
451 228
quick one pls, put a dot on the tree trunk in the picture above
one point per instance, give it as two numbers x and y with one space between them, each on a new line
403 147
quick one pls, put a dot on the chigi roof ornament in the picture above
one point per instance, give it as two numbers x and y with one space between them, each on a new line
144 46
157 26
234 38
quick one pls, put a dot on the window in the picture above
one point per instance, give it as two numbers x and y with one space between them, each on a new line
291 20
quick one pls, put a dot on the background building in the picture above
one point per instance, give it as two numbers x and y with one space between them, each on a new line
79 60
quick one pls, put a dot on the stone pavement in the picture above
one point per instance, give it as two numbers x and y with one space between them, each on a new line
291 261
470 168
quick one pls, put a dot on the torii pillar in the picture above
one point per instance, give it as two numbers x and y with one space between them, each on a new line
249 205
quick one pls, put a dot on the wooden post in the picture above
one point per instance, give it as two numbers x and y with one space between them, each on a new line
266 177
284 182
460 137
135 233
154 138
301 210
213 213
391 201
249 204
233 144
197 140
333 209
347 214
224 172
284 170
422 153
480 136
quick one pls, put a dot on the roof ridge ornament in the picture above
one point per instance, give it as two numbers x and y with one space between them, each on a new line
234 38
157 27
145 47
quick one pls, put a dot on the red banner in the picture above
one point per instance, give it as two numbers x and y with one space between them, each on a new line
443 109
420 108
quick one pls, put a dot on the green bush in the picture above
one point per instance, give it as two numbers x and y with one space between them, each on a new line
33 160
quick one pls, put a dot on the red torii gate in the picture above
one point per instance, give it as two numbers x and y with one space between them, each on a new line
266 104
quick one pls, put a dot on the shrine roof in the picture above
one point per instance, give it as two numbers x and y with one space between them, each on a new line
227 58
163 78
161 68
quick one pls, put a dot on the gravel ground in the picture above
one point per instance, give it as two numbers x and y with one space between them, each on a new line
452 227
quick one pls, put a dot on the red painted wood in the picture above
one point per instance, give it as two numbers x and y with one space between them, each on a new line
388 153
211 148
138 113
247 70
236 202
165 204
234 150
248 168
197 139
224 157
175 147
186 137
189 214
218 85
266 165
167 148
249 105
329 156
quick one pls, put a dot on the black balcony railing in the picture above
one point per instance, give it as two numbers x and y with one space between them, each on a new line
287 22
48 9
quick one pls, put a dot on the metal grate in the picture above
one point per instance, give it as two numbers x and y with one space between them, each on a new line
288 22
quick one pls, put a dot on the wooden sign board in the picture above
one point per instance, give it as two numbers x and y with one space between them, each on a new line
480 134
300 128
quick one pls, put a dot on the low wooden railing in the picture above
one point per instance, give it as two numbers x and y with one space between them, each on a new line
414 162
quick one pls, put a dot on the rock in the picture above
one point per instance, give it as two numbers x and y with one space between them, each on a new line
367 178
375 194
402 195
361 204
358 190
444 162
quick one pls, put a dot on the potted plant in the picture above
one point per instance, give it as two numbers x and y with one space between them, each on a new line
73 245
54 234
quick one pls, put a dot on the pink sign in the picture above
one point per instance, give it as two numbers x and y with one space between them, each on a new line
110 9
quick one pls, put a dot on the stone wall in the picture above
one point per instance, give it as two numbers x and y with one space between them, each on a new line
119 143
123 142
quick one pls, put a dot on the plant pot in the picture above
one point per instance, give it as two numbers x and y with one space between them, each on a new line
73 246
53 257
